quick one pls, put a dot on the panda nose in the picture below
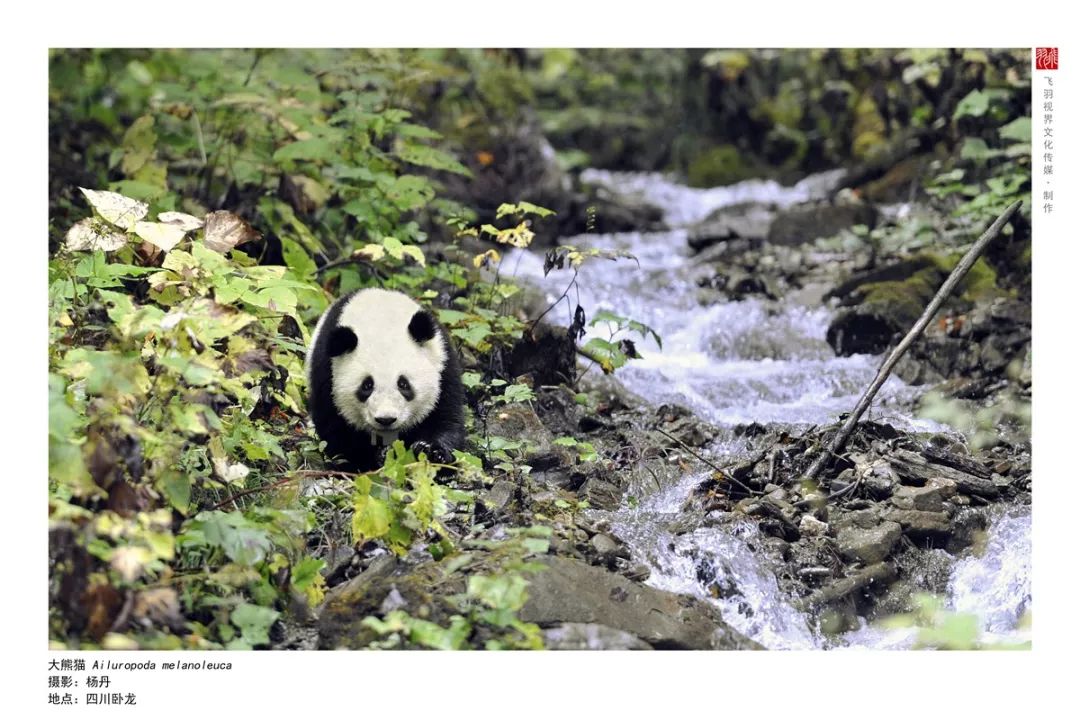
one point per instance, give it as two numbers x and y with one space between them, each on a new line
385 421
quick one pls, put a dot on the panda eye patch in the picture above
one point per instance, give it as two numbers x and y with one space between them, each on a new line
366 388
406 388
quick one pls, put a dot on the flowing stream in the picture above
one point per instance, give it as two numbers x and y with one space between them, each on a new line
742 362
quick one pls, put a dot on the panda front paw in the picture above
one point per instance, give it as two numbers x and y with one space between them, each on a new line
380 455
435 452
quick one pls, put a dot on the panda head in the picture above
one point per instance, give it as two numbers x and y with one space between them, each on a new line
387 358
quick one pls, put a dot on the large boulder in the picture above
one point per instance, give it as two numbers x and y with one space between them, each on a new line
808 222
570 591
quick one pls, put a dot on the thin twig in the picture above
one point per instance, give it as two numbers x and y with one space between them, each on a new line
250 491
199 137
725 474
947 287
846 490
352 260
260 53
558 300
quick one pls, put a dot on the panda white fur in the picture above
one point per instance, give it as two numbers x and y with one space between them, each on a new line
381 368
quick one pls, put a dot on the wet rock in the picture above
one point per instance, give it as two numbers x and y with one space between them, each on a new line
601 493
498 498
870 545
747 222
598 210
922 525
605 547
968 528
810 526
390 583
809 221
518 421
739 284
914 469
863 519
880 479
931 496
569 591
591 636
884 302
637 573
861 331
875 577
679 422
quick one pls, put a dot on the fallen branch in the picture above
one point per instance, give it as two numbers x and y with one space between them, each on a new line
947 287
723 473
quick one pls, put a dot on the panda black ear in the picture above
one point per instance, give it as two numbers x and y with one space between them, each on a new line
341 341
422 327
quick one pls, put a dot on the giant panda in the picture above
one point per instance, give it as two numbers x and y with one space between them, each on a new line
381 368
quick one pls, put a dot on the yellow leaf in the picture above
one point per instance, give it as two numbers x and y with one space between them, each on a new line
160 235
371 251
484 259
520 236
415 253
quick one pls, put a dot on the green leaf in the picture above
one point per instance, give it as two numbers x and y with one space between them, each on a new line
241 541
393 247
177 487
108 373
66 467
976 149
499 591
518 393
452 317
1018 130
63 420
297 258
306 572
425 156
254 622
974 104
371 517
522 208
475 335
317 149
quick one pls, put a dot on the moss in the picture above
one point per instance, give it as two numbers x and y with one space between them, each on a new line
903 301
719 165
980 281
869 129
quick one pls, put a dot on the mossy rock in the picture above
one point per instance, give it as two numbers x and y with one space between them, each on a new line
422 591
719 165
887 301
